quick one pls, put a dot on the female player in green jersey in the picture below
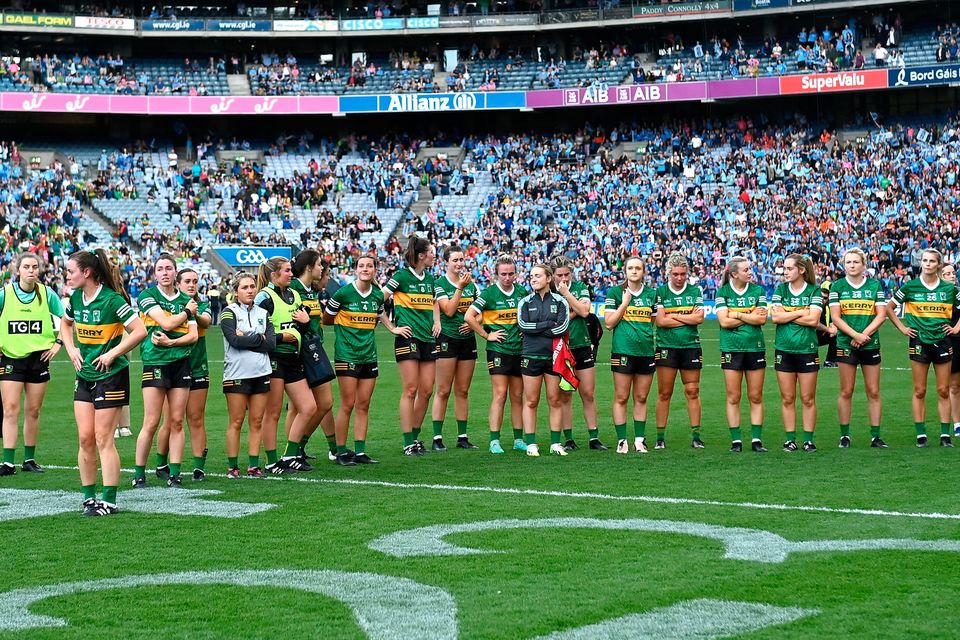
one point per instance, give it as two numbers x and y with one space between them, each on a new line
457 347
629 314
188 281
542 316
858 308
577 295
949 273
415 312
310 276
742 311
928 304
106 328
30 313
170 318
796 308
354 311
493 317
290 321
679 314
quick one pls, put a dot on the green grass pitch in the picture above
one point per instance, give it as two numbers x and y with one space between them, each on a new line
574 581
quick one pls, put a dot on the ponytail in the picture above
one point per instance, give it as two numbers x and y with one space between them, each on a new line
415 246
267 269
102 269
732 265
806 264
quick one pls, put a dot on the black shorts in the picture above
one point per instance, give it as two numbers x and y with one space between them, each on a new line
632 365
936 353
362 371
504 364
797 362
248 386
459 348
854 356
537 367
413 349
287 367
104 394
584 358
743 360
200 382
683 359
173 375
30 370
956 356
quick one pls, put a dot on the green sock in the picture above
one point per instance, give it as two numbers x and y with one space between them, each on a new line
303 442
359 446
198 462
332 443
253 461
945 429
110 494
139 471
407 439
461 428
494 435
808 436
293 449
921 428
438 427
875 432
29 452
8 455
661 434
271 456
161 459
89 491
791 436
341 449
530 438
416 433
593 434
695 433
735 434
568 433
639 428
756 430
233 462
845 430
518 434
174 468
555 437
621 430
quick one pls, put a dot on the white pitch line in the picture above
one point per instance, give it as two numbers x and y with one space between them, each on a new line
597 496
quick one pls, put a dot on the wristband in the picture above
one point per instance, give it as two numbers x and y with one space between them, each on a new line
59 342
189 314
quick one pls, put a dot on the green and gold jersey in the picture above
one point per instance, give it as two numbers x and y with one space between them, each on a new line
413 302
859 306
633 335
675 303
355 319
746 337
498 312
310 298
927 309
150 353
791 337
444 289
579 334
98 328
199 368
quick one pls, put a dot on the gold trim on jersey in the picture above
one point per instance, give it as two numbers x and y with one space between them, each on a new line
942 310
356 319
500 316
638 314
414 301
858 307
98 333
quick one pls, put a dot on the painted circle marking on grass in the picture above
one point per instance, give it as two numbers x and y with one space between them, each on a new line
381 604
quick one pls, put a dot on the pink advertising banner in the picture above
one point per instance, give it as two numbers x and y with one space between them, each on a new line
167 105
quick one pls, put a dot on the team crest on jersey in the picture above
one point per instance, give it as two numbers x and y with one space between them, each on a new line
96 315
553 308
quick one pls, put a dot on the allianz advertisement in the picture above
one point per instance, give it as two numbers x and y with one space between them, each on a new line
924 76
244 256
